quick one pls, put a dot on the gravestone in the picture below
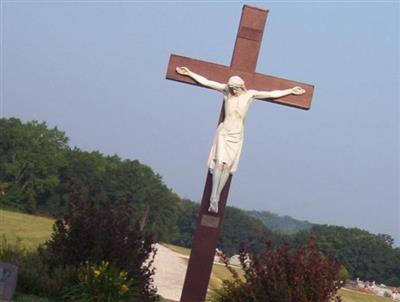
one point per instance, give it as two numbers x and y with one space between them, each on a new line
8 280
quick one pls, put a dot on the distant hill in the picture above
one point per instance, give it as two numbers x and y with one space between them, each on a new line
282 224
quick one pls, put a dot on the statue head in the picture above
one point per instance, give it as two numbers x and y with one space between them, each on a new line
236 85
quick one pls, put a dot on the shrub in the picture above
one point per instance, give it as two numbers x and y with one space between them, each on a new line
279 275
343 273
103 283
94 232
34 275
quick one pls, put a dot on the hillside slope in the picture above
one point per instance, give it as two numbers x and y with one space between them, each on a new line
30 230
283 224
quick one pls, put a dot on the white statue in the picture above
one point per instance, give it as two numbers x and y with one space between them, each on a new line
228 140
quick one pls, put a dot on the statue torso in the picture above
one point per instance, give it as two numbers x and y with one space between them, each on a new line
236 107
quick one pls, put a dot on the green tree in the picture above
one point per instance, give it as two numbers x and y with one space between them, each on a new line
30 158
124 182
240 229
186 222
365 255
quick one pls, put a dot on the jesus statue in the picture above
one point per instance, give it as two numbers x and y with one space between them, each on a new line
225 151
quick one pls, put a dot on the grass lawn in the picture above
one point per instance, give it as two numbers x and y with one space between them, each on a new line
354 296
178 249
31 230
219 273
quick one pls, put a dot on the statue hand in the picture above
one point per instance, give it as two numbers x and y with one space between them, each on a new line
183 70
298 90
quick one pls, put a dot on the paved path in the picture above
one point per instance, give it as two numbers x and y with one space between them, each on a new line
170 273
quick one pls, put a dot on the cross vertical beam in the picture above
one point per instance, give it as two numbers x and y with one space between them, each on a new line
248 39
243 64
244 58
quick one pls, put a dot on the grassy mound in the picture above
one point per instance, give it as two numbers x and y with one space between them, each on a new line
354 296
29 229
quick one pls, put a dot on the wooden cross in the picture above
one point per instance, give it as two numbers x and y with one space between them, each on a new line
243 64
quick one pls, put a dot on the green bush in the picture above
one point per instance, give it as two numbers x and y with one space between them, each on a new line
343 273
103 283
31 298
97 231
34 275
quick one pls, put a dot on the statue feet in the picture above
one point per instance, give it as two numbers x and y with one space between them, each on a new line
213 205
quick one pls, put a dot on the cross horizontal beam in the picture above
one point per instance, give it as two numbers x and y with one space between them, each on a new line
243 64
221 73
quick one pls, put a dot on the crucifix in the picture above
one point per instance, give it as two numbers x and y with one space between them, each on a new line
225 151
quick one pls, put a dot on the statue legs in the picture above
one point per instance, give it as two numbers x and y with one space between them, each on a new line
219 178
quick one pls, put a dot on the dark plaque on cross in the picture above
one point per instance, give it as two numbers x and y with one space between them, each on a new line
239 84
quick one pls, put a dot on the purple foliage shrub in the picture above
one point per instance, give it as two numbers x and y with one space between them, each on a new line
280 275
96 232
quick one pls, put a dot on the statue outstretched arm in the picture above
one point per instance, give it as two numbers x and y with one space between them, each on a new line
276 93
200 79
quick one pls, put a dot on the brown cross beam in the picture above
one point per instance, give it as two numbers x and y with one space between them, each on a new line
243 64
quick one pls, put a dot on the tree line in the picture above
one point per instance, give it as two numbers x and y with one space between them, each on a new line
39 172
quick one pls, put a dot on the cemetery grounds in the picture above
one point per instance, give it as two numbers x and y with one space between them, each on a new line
30 231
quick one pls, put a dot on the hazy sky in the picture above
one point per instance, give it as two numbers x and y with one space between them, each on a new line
96 69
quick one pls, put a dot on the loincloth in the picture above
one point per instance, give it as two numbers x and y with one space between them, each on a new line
226 148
